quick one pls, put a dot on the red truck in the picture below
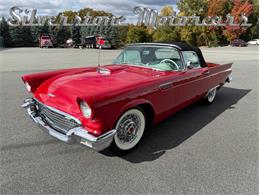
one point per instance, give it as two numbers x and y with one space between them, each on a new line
93 42
45 41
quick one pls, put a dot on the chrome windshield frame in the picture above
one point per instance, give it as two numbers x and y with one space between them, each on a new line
153 45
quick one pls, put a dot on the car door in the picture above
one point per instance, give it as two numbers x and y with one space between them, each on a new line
196 78
168 94
177 89
185 85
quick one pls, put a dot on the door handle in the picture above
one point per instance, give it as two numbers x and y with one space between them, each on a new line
206 72
166 86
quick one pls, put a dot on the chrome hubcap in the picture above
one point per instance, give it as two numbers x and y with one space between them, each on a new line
128 128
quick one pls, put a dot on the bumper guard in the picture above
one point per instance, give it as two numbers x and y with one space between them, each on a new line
96 143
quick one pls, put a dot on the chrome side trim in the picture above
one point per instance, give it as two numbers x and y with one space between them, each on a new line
155 44
97 143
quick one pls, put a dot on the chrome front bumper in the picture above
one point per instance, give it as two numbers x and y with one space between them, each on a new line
96 143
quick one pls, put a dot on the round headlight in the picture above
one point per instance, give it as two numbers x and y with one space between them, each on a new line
85 109
28 87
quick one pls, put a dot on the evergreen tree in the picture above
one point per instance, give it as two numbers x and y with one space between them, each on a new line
35 32
88 30
83 32
75 34
5 33
63 33
17 36
27 36
53 31
114 38
44 30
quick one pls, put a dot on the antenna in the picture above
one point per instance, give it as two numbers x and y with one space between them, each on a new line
100 42
99 50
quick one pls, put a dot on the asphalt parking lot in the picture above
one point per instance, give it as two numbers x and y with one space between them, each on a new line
200 150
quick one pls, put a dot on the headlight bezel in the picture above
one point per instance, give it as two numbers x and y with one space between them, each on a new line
85 109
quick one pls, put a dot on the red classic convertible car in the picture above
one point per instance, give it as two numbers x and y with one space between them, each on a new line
112 105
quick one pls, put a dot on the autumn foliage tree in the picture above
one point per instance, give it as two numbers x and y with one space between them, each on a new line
214 35
166 33
167 11
239 7
219 7
138 34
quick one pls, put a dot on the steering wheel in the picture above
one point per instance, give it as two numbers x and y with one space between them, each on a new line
172 63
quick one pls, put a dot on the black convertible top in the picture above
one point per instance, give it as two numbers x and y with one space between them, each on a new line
180 46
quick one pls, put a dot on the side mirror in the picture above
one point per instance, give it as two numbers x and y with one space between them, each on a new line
189 65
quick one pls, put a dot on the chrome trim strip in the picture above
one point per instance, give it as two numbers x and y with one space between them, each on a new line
155 44
97 143
151 68
150 45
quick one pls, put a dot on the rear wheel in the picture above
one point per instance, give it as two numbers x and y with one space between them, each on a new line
130 129
210 96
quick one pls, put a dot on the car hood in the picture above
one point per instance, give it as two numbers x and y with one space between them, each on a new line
63 91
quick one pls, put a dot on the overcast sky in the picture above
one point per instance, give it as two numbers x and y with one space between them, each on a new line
53 7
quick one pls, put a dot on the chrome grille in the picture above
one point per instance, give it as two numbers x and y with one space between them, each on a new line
54 119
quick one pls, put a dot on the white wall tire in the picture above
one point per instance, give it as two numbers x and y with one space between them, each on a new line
130 129
211 94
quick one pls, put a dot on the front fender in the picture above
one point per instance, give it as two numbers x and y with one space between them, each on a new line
132 104
36 79
108 114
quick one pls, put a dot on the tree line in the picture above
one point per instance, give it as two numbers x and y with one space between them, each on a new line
28 36
25 36
198 35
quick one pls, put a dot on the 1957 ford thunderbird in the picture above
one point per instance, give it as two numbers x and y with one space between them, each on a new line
111 106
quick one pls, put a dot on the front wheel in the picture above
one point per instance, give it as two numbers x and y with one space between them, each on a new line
130 129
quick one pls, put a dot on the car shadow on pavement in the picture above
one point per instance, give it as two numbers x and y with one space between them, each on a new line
27 145
175 130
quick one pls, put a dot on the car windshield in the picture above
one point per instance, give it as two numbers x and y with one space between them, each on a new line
155 57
